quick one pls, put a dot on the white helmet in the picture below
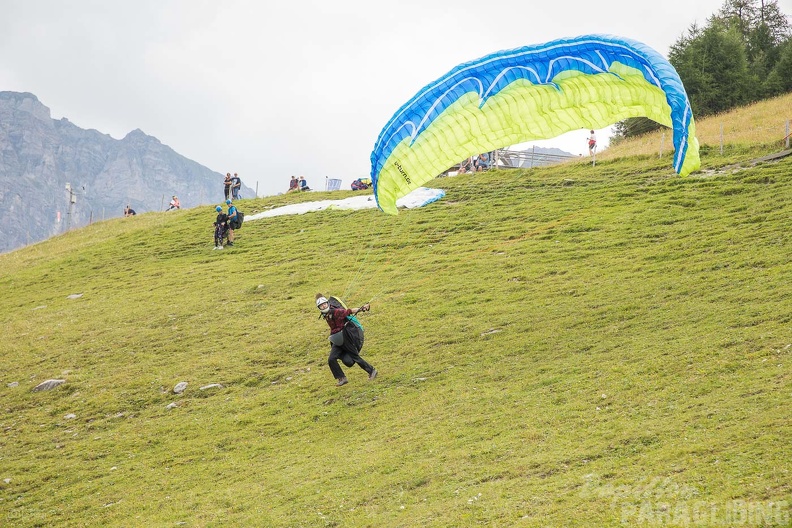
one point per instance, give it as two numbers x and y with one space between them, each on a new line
320 301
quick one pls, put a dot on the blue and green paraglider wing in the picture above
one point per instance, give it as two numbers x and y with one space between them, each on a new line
534 92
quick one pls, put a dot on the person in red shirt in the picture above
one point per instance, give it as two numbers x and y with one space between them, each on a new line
592 143
346 337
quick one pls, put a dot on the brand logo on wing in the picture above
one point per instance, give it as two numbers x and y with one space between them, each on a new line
402 172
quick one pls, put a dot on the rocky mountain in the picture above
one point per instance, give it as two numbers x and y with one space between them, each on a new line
40 155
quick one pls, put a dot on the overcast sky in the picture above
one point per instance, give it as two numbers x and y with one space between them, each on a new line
271 89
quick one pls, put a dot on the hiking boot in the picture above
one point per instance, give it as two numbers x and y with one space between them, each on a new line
342 381
229 243
373 374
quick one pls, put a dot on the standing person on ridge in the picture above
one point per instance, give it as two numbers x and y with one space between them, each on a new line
236 186
232 222
346 336
592 143
227 185
221 226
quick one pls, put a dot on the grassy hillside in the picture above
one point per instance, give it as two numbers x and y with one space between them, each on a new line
763 122
601 346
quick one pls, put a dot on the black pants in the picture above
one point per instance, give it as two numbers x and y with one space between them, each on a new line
219 235
349 352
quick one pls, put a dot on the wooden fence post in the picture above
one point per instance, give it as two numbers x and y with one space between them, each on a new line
721 139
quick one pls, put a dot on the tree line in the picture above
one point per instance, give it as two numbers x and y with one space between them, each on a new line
742 54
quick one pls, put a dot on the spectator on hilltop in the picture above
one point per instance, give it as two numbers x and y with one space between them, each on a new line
232 222
482 162
466 166
221 227
294 184
128 211
174 203
236 186
227 185
304 184
592 143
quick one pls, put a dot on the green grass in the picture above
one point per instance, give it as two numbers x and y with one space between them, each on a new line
565 346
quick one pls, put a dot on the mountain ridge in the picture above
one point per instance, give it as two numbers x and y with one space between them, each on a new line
39 155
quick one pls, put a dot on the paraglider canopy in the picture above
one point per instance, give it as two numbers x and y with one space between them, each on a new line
534 92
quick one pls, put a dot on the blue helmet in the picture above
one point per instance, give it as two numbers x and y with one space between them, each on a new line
218 208
228 202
